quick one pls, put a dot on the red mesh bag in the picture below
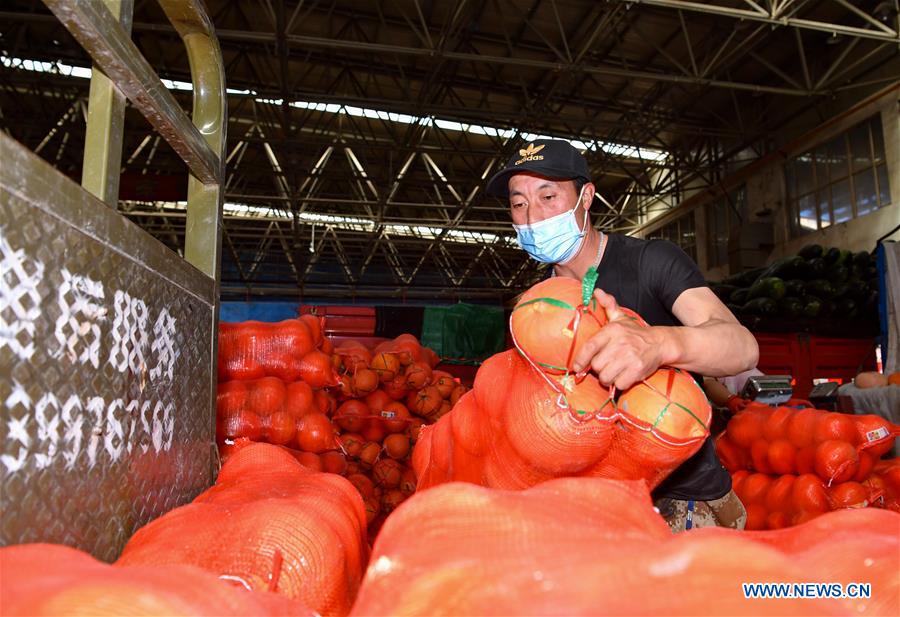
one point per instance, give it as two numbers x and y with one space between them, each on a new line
316 326
317 369
885 479
230 447
406 347
374 419
418 375
271 524
253 349
519 426
387 365
577 546
270 410
363 382
836 447
777 502
661 422
845 546
354 355
529 418
431 356
49 579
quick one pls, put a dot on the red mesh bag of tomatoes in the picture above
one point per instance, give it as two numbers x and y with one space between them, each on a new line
273 411
775 502
50 579
529 418
834 446
269 524
408 350
885 479
289 350
588 546
331 461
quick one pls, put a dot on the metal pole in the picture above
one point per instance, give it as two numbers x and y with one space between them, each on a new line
105 124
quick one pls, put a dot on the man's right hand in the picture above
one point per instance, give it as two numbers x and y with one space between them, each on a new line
622 353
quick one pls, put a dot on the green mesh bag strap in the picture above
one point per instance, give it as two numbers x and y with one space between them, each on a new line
587 300
587 285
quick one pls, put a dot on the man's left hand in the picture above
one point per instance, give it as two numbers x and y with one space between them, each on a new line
623 353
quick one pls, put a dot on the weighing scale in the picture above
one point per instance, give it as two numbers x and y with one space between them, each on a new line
768 389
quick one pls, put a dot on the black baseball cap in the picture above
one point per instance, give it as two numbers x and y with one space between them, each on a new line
553 158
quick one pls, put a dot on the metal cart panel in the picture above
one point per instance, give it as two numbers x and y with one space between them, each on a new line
105 357
107 337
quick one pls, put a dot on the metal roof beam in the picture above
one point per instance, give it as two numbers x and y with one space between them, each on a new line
359 46
521 62
883 33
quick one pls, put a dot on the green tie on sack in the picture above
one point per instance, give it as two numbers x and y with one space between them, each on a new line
464 333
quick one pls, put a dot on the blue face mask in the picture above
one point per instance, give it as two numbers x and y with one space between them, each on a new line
555 240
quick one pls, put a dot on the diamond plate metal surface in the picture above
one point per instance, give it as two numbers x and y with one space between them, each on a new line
107 416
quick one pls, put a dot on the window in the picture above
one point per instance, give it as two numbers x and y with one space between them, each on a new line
680 232
722 215
838 181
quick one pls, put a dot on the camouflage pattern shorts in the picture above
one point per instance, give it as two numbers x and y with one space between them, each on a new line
682 515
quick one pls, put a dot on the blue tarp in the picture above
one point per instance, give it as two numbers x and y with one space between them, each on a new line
257 311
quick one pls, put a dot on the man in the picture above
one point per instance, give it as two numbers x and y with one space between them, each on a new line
550 194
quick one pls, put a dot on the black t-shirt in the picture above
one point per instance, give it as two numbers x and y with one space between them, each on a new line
647 276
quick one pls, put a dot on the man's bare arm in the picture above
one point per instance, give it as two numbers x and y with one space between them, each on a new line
710 342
